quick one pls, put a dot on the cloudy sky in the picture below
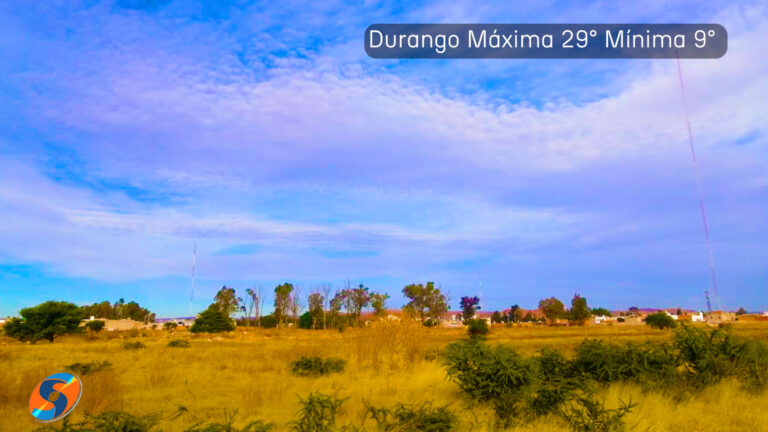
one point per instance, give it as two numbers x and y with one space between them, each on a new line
131 130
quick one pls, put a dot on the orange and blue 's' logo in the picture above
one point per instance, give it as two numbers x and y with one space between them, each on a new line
55 397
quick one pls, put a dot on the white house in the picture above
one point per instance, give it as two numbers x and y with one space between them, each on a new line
674 316
765 313
697 317
599 319
2 320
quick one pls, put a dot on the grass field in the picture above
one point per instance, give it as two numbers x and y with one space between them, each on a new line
248 372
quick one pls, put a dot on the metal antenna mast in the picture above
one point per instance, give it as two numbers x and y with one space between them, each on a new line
700 195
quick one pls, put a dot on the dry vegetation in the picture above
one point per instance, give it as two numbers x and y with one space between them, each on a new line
250 373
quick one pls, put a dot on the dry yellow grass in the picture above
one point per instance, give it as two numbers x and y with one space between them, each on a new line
386 364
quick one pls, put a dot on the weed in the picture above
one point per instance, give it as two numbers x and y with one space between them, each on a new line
409 418
229 426
318 413
114 421
585 414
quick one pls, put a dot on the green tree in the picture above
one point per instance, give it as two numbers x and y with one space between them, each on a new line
213 320
579 312
741 311
496 317
170 325
660 320
95 325
306 321
516 314
379 305
552 308
469 307
358 298
316 312
226 300
335 307
45 321
283 302
600 312
426 301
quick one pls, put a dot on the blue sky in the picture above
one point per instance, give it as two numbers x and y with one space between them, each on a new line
131 130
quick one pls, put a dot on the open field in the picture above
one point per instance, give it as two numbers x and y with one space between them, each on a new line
386 364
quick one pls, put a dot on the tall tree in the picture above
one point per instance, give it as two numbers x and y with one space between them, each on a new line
316 303
325 290
552 308
579 312
379 305
282 302
358 299
295 305
335 306
425 301
251 300
226 300
469 307
516 314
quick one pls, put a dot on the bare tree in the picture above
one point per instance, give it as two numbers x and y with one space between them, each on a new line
254 299
259 302
295 305
325 290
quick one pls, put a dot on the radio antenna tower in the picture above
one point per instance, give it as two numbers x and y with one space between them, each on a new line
192 285
700 195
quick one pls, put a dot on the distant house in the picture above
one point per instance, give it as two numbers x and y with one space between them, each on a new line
117 325
697 317
182 322
720 316
599 319
2 320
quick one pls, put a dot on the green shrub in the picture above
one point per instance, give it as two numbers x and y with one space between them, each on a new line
660 320
170 325
178 343
316 366
134 345
318 413
212 320
606 362
268 321
499 376
555 385
95 325
409 418
87 368
477 328
431 322
708 357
